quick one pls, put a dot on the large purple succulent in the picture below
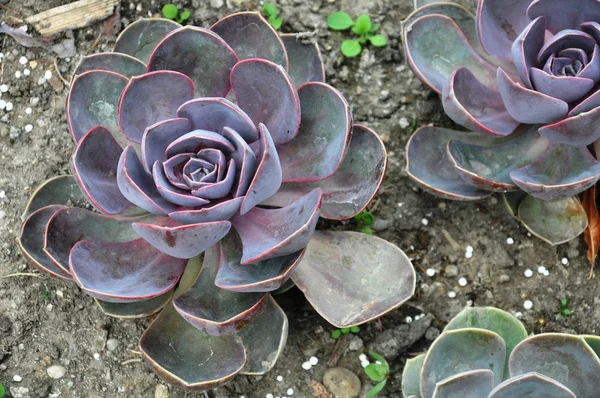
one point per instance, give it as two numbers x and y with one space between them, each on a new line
523 76
243 179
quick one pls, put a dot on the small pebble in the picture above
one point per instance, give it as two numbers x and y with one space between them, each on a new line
452 294
527 304
279 378
564 261
362 357
112 344
28 111
510 241
290 391
469 249
404 123
47 75
462 281
2 104
269 395
408 319
17 378
18 74
519 314
26 72
4 88
425 221
97 356
56 372
22 60
528 273
306 365
341 382
469 254
541 269
161 391
364 364
29 128
313 361
451 270
9 106
430 272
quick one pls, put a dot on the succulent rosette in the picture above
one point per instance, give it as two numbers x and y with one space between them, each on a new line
523 77
223 141
485 352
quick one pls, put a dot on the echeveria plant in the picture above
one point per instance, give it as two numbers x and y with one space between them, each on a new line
522 76
242 180
486 353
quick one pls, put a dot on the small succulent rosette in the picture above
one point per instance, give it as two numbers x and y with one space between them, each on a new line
175 169
523 77
485 353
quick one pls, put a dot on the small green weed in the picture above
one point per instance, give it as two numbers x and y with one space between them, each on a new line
563 307
271 12
378 372
337 333
364 219
170 11
362 27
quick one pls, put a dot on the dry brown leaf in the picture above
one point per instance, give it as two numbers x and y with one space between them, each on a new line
591 234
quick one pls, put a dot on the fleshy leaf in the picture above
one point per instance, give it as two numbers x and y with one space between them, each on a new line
554 222
533 385
61 190
262 276
94 166
171 194
213 310
199 54
305 64
458 351
495 320
31 241
428 164
411 376
580 130
135 309
122 64
349 277
276 104
564 358
245 161
525 49
141 37
94 101
157 138
325 128
560 15
566 88
591 234
269 233
354 184
550 180
471 384
184 356
215 211
151 98
251 36
123 271
435 46
185 241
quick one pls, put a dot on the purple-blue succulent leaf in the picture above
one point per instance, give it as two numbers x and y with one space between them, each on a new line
305 64
472 383
123 64
157 138
580 130
141 37
566 88
216 210
245 161
525 49
170 193
533 381
561 15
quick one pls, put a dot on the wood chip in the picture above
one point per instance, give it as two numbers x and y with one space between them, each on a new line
72 16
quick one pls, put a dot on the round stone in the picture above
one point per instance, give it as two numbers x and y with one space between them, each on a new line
342 383
56 371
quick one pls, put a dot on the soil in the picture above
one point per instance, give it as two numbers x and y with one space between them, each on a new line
46 322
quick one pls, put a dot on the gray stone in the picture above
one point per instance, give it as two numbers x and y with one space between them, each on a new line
216 3
341 382
112 344
392 342
161 391
56 372
451 270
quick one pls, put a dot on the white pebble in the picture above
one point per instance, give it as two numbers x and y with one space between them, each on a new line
462 281
26 72
23 28
2 214
56 372
22 60
425 221
519 314
565 261
527 304
313 361
29 128
541 269
9 106
41 81
18 74
362 357
408 319
469 254
269 395
97 356
138 8
290 391
404 123
1 55
47 75
546 273
469 249
510 241
2 194
279 378
364 364
4 88
2 104
28 111
430 272
17 378
452 294
306 365
528 273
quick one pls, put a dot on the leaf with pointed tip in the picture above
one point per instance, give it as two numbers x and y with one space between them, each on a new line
186 357
171 194
411 376
276 104
565 358
251 36
135 309
151 98
31 242
325 128
489 167
549 180
213 310
580 130
458 351
183 241
350 277
262 276
123 271
560 15
554 222
305 64
268 176
566 88
94 166
199 54
61 190
214 211
269 233
141 37
435 46
532 385
501 322
471 384
428 164
591 234
157 138
123 64
354 184
512 201
70 225
525 49
94 101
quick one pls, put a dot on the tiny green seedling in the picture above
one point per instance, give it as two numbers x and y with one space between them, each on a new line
378 372
45 293
271 12
363 27
337 333
563 307
170 11
2 390
364 219
413 126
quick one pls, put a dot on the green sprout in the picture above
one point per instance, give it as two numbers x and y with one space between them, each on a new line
337 333
362 27
412 127
378 372
364 219
45 293
2 390
271 12
563 307
170 11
